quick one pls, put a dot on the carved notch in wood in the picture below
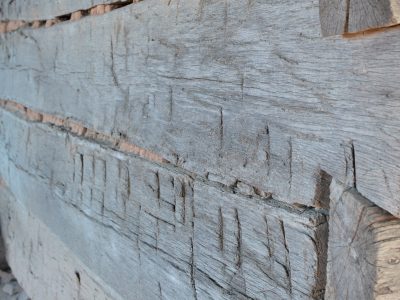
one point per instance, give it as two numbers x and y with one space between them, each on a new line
351 16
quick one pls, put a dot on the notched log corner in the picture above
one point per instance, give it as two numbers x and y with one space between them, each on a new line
339 17
363 248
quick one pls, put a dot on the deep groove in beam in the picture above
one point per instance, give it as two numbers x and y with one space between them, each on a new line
121 144
78 129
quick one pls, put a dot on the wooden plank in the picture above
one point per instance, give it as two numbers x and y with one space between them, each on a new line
44 266
127 218
31 10
363 253
141 217
208 108
252 250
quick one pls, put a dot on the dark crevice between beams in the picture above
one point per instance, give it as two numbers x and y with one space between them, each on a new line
13 25
123 145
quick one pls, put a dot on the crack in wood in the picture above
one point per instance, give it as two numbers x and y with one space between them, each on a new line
113 73
286 266
353 155
192 269
269 244
220 229
290 164
238 240
346 22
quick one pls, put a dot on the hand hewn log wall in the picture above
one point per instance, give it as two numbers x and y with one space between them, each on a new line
141 216
256 99
184 149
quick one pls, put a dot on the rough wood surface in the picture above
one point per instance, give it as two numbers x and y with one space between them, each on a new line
268 109
178 134
364 255
351 16
31 10
249 249
45 267
159 221
372 14
334 16
7 25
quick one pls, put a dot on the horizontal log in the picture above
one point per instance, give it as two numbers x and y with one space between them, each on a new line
250 248
44 266
141 215
137 213
272 110
7 25
32 10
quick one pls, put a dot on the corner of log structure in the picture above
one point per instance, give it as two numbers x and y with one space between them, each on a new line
339 17
363 253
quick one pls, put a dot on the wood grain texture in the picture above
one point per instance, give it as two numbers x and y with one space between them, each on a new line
363 259
96 10
45 267
31 10
250 250
351 16
153 224
372 14
129 229
271 110
334 16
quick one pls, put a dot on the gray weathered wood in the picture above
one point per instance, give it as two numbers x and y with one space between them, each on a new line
120 214
31 10
364 258
334 16
273 106
372 14
351 16
45 267
120 227
248 249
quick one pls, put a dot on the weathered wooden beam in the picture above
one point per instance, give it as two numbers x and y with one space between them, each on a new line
275 119
32 10
96 10
156 226
247 247
136 212
372 14
364 256
351 16
45 266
